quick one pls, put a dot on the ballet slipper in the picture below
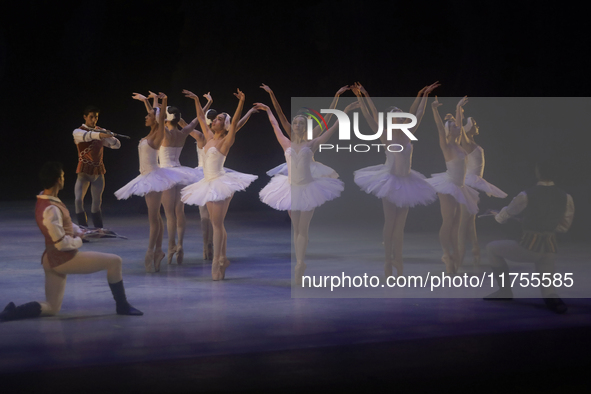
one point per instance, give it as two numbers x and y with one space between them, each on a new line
180 254
223 267
300 268
171 252
158 256
216 273
149 262
476 255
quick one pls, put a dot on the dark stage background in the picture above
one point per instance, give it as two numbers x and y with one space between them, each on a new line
55 59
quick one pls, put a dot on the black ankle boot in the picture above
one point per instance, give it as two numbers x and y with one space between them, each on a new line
82 221
13 312
97 219
123 307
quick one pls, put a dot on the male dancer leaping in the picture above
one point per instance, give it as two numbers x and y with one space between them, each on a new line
90 141
61 256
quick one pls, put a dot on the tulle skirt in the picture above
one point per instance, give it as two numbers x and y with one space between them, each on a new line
479 183
280 195
318 170
217 189
464 194
158 180
406 191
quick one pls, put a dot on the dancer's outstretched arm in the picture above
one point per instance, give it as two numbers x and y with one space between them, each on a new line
440 127
144 99
231 136
419 110
281 138
245 118
326 136
370 104
284 122
318 130
207 133
460 111
364 104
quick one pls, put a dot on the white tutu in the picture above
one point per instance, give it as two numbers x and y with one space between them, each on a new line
280 195
464 194
158 180
152 178
481 184
190 175
318 170
217 184
403 191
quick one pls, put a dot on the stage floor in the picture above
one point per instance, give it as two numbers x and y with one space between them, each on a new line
200 335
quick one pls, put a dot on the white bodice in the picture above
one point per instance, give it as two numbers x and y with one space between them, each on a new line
148 157
200 155
298 165
400 162
476 162
456 170
213 164
169 156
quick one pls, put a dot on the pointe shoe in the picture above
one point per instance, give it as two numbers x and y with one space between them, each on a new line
299 273
216 272
170 254
149 262
449 264
476 255
158 256
180 254
223 267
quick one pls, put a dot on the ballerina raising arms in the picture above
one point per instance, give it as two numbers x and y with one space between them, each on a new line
218 186
299 192
394 182
455 198
151 182
210 115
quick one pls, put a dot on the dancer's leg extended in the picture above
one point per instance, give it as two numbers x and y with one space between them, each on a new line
465 220
97 186
80 189
301 222
395 217
217 210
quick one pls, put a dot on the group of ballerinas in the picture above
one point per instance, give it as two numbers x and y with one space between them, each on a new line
301 184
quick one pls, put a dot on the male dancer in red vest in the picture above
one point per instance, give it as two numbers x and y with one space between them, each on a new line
61 256
546 210
90 141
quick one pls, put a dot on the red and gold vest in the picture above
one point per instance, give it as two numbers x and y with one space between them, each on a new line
90 156
54 256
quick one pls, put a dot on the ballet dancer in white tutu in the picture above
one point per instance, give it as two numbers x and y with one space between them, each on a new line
318 169
218 186
210 115
394 182
474 179
455 198
299 192
168 155
151 182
